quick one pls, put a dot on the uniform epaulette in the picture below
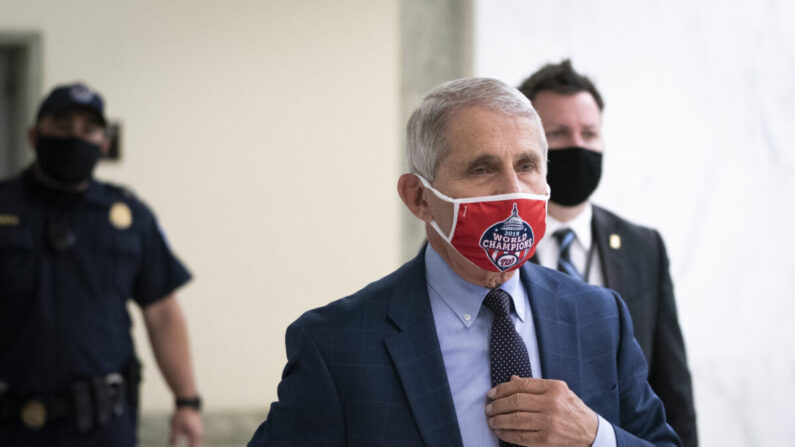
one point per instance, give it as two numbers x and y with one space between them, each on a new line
122 190
9 182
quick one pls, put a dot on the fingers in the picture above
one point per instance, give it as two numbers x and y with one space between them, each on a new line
516 402
520 420
524 385
528 411
192 437
186 423
518 437
195 441
527 395
172 434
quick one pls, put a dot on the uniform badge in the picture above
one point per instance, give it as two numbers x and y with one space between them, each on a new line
120 216
508 243
9 220
615 241
33 414
81 93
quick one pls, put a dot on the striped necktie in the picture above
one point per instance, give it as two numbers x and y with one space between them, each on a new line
565 237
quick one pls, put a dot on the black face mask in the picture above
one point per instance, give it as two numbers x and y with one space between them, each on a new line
67 160
573 174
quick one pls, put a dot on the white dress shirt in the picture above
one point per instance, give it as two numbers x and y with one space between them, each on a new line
463 327
548 249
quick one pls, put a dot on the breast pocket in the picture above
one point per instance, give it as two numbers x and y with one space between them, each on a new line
17 262
120 255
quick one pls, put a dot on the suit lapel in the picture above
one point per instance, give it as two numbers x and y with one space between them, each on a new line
612 266
542 291
417 357
553 318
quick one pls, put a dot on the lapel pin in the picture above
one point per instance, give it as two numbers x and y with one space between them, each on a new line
615 241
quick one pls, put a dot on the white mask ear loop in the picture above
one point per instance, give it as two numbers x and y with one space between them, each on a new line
546 205
447 199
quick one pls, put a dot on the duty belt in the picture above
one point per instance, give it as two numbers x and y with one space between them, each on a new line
87 403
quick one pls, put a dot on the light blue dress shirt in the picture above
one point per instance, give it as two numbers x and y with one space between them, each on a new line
463 327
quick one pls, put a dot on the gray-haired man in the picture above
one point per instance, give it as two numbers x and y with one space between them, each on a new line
467 344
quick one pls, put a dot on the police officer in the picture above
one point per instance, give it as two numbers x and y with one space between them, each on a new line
72 251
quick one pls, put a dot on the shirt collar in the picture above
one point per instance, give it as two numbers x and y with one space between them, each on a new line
464 298
581 225
93 194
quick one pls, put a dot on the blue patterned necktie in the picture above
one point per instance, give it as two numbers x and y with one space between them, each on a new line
508 352
565 237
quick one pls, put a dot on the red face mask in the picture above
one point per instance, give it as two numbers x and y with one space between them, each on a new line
496 233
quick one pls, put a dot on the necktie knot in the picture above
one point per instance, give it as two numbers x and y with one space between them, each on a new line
499 301
564 236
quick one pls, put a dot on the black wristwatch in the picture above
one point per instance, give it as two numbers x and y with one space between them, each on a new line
194 402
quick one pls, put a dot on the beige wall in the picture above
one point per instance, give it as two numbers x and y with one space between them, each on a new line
265 135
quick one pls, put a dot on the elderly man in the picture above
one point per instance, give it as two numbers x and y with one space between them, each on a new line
72 251
600 247
467 344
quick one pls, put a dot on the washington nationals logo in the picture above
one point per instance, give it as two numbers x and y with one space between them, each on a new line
508 243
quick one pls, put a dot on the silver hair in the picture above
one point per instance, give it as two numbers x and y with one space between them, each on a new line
425 131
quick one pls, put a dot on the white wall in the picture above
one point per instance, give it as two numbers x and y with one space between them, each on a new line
265 136
700 106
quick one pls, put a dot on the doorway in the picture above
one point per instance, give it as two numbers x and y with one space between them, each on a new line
20 87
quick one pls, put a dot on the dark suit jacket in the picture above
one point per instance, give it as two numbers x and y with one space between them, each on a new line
367 370
638 271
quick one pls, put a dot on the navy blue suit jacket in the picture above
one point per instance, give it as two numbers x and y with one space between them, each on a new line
367 370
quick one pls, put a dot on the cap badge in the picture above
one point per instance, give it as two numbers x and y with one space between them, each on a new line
81 93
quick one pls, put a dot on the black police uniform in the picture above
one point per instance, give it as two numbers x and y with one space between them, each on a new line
68 264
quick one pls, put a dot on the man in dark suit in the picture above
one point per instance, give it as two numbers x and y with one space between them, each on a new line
455 348
601 248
